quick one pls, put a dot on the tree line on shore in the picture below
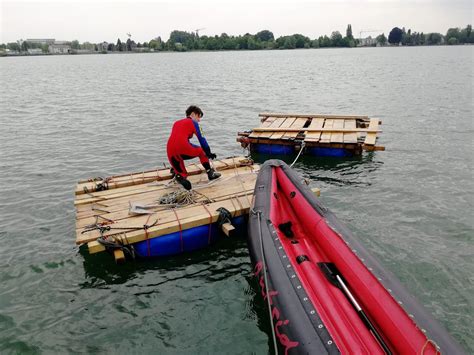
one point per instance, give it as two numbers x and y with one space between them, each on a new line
183 41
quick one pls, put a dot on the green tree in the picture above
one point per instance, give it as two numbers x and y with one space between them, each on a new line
156 44
264 36
453 40
381 39
466 35
349 32
119 45
13 46
433 38
75 44
395 36
24 46
453 33
336 39
324 41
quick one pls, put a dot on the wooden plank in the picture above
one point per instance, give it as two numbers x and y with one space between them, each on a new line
361 117
228 229
326 134
150 186
188 219
316 123
133 179
295 128
119 256
265 123
212 193
147 195
287 123
275 124
112 197
372 136
350 137
337 137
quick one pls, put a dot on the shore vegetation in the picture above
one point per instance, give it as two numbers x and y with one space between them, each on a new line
184 41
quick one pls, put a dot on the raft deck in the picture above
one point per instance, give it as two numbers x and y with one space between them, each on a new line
352 133
126 209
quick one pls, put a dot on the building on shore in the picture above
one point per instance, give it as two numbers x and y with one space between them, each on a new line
367 42
59 47
35 51
41 41
102 47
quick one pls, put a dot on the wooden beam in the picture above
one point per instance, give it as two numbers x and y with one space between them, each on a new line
193 217
331 130
371 137
265 114
227 228
119 256
118 181
316 123
316 191
226 192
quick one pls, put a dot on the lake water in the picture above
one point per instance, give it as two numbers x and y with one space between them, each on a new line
66 118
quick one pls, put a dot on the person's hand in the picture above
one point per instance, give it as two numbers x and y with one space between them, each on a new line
212 156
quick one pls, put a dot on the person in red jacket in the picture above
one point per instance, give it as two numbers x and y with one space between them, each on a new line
179 148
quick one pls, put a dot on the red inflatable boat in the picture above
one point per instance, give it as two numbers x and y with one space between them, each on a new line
325 293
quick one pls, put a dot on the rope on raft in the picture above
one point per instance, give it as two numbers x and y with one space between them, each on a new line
301 151
183 198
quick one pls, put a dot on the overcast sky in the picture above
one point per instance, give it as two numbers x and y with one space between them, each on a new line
107 20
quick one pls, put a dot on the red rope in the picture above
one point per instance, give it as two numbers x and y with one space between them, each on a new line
180 230
210 225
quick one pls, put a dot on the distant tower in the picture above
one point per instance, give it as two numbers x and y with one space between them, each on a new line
197 31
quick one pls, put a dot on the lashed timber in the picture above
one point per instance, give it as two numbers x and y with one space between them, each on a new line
336 136
286 124
294 129
168 223
266 114
351 132
326 134
275 124
232 186
117 181
313 136
111 208
266 121
148 194
102 197
350 137
371 136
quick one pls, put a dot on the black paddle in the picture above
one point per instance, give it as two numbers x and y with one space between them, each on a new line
334 276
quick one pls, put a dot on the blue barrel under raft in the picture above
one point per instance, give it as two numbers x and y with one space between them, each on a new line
284 149
186 241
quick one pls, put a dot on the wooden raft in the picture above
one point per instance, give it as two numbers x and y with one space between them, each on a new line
112 203
355 133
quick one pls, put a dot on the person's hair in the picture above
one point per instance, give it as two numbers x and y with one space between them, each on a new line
194 109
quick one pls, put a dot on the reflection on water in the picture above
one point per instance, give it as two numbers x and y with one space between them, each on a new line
352 171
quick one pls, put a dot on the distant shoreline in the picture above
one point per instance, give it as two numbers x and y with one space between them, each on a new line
5 55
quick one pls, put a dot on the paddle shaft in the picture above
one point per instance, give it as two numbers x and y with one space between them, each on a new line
363 316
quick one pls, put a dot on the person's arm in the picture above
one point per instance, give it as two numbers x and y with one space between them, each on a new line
202 140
